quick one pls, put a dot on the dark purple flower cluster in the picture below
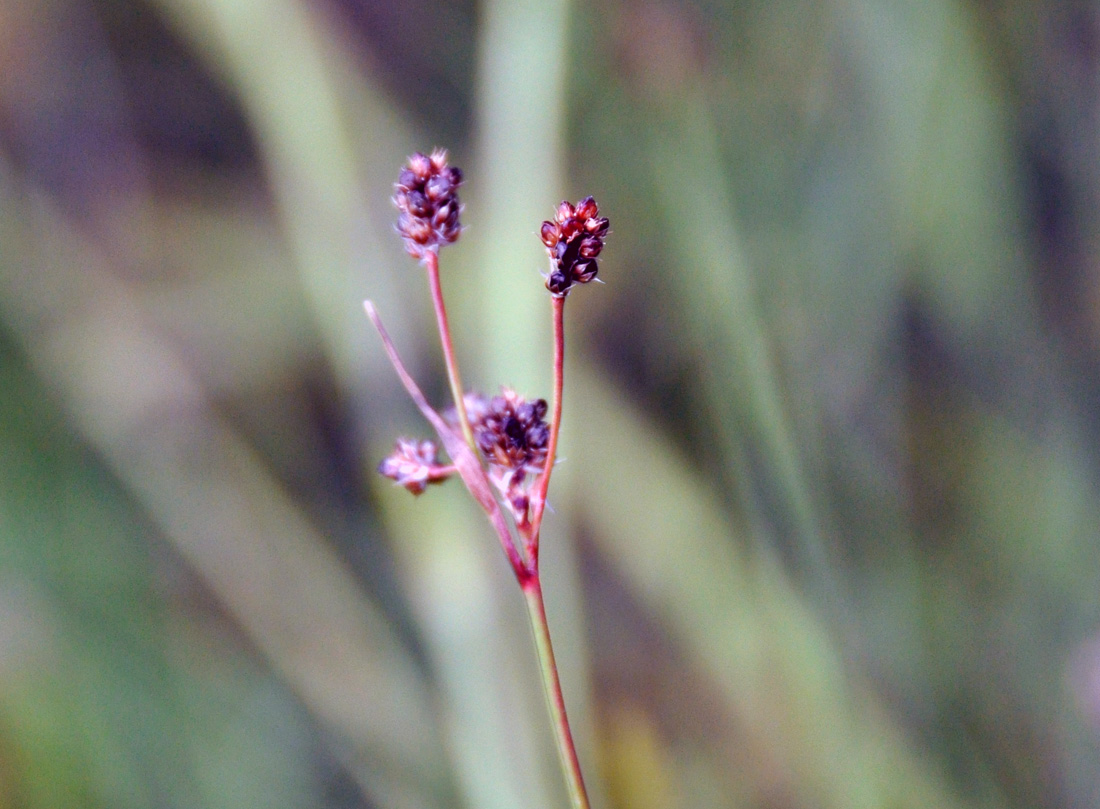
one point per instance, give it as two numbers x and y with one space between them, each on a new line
426 194
512 434
574 240
513 438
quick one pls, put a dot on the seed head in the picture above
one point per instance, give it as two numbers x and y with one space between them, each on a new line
573 240
512 437
512 434
426 194
413 464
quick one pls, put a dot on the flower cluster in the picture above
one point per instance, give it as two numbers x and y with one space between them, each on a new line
508 432
513 437
574 240
414 464
426 194
512 434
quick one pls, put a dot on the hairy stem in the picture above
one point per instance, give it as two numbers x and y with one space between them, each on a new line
567 751
432 263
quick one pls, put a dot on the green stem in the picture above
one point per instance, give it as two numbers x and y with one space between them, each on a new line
567 751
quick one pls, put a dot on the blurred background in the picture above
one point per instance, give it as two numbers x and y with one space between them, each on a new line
826 532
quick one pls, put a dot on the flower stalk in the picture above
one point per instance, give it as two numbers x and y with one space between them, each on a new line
538 502
432 263
502 448
555 700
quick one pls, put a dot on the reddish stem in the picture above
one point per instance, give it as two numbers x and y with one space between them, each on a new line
431 260
538 500
441 472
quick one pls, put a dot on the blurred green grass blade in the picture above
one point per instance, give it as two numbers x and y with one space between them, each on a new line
302 99
1012 602
718 292
521 109
739 617
55 707
234 300
137 403
108 700
942 138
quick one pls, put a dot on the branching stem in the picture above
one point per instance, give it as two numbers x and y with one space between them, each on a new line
465 459
574 240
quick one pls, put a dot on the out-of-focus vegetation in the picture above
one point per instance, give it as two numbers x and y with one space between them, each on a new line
827 534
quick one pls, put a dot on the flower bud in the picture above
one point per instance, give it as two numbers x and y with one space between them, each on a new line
584 271
590 247
586 208
549 234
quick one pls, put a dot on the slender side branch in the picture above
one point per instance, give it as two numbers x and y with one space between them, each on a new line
431 260
555 701
465 461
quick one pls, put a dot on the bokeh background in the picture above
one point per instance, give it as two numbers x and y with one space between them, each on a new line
826 533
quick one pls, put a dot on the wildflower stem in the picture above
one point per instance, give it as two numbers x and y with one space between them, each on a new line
557 304
465 459
432 262
555 701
